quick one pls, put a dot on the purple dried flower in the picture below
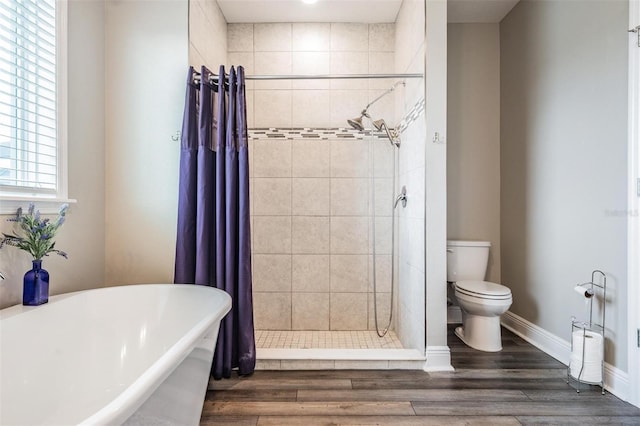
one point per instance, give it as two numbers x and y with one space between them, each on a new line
35 234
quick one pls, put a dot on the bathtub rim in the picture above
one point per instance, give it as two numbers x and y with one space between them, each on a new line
122 406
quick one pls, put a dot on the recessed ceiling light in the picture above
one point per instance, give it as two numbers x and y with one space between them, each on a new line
309 1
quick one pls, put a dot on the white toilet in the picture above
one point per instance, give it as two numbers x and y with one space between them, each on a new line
481 302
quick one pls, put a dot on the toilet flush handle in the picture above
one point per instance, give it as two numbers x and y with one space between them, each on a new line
449 250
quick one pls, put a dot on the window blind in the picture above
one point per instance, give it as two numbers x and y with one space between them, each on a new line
28 128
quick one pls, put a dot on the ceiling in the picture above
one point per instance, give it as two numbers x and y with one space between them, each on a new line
487 11
366 11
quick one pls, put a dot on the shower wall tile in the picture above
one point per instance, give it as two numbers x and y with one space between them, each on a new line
383 108
272 311
348 311
384 197
271 272
206 23
350 158
249 94
271 197
383 235
415 193
412 251
349 63
272 37
346 104
349 235
273 63
272 108
310 235
271 235
381 63
311 63
349 273
195 58
383 306
250 146
382 37
414 153
311 108
383 272
310 311
349 197
246 60
310 273
310 197
240 37
272 158
311 158
349 37
383 158
311 37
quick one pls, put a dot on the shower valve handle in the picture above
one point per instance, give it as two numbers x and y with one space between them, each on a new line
402 197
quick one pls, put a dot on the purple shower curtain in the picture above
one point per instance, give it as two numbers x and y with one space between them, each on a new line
213 245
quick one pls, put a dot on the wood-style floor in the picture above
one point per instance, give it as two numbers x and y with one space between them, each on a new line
520 385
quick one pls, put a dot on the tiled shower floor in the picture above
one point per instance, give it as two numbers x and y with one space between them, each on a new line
277 339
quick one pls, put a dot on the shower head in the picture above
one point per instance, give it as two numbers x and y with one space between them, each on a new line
356 123
379 124
392 133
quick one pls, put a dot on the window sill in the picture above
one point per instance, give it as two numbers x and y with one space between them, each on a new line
47 205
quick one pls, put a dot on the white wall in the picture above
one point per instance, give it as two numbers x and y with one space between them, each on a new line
146 63
473 143
438 357
82 236
563 161
207 35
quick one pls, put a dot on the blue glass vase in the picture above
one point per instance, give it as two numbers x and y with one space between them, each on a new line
35 290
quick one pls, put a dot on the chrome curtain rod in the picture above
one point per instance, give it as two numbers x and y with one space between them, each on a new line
322 76
330 76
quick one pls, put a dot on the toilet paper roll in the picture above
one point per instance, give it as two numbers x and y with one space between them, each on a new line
592 343
587 372
586 356
584 292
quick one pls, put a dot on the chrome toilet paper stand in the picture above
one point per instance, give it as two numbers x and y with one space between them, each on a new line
598 284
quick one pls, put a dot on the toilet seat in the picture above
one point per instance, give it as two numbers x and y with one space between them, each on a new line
483 290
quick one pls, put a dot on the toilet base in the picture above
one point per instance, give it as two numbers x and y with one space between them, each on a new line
481 333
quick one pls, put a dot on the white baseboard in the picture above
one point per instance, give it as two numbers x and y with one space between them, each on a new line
549 343
616 381
438 359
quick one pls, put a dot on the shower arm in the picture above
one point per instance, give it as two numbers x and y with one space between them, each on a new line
385 93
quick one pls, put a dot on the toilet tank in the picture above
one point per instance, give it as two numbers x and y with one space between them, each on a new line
467 260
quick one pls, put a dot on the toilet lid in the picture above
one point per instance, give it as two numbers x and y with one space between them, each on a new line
484 289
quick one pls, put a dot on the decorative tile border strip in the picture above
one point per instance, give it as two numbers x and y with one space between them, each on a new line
314 133
412 115
332 133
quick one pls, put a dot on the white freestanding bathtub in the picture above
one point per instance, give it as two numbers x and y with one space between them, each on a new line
137 354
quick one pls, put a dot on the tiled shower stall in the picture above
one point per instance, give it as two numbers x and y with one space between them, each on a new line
320 188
